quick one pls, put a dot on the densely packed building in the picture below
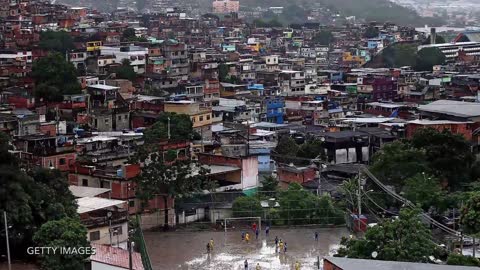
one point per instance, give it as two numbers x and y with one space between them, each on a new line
242 86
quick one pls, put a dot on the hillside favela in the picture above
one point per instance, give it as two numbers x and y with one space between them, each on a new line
239 135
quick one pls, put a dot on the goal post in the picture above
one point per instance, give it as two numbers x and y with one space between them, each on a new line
245 219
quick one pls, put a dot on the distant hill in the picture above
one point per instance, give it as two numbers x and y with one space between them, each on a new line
371 10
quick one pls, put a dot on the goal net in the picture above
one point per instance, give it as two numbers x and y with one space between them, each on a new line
242 224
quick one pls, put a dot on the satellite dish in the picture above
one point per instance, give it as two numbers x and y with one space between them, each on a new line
94 160
109 214
374 254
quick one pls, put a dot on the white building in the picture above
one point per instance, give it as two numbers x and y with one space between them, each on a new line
135 54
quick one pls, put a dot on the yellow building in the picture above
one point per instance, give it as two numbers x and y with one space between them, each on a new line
94 46
201 117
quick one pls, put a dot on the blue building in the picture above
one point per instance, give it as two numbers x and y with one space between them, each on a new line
274 107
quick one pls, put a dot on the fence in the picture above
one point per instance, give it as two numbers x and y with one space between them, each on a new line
142 248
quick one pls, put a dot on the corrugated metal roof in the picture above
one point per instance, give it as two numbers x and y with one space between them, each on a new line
356 264
452 107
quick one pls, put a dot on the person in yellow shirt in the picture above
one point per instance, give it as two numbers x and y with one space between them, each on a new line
297 266
258 267
247 237
211 244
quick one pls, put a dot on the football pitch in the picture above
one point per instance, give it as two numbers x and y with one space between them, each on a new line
187 250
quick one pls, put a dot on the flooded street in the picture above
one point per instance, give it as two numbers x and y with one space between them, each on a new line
187 250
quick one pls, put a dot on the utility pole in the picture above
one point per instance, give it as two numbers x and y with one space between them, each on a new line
168 128
6 238
359 197
129 244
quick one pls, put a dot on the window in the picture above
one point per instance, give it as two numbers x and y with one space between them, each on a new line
125 117
131 203
201 118
85 182
119 117
117 230
94 236
208 117
62 161
106 121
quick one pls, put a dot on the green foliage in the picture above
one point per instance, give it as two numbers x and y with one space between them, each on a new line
287 146
269 185
181 128
398 161
222 72
178 178
399 55
403 239
247 207
449 155
59 41
427 58
299 206
324 38
470 215
125 71
66 232
424 190
128 34
459 259
312 149
371 32
54 77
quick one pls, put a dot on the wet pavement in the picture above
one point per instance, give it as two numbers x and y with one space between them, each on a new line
187 250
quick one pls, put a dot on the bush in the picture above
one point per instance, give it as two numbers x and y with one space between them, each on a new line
247 207
458 259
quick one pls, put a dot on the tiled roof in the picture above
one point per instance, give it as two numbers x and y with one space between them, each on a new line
116 257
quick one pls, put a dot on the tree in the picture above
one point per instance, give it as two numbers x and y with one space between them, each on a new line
269 185
424 190
470 215
403 239
31 198
429 57
312 149
222 72
125 71
371 32
68 233
299 206
247 207
459 259
140 5
168 179
128 34
399 55
449 155
398 161
54 77
181 128
287 146
323 38
57 41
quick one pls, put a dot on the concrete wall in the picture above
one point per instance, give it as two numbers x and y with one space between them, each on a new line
199 215
105 235
250 172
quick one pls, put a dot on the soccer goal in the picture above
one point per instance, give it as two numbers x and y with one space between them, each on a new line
241 223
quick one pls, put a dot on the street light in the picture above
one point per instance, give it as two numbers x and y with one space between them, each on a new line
7 241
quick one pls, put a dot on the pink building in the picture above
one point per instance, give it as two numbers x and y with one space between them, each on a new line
225 6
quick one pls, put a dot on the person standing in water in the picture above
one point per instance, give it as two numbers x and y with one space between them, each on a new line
245 263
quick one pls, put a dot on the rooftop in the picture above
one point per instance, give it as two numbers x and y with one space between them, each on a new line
453 108
89 204
116 257
81 192
355 264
